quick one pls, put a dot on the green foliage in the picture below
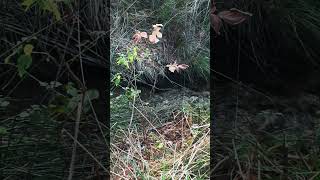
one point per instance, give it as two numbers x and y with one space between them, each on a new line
45 5
201 66
129 58
33 145
90 95
24 60
185 34
120 113
23 63
66 104
116 79
28 49
132 93
159 145
122 60
3 131
167 10
3 102
127 61
199 110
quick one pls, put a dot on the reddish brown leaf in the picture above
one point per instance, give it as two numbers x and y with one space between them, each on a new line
136 38
183 66
216 23
234 16
138 35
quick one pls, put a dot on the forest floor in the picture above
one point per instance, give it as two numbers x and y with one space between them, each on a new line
167 139
265 137
256 136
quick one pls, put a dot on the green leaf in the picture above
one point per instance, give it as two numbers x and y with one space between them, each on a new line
117 79
132 93
55 84
24 62
135 52
67 2
3 130
4 103
91 94
28 49
71 90
130 57
28 3
52 6
7 60
23 114
123 61
73 103
160 145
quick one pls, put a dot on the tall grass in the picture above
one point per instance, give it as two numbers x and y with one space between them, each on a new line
185 32
285 29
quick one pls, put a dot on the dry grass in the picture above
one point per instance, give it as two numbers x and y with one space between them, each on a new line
177 147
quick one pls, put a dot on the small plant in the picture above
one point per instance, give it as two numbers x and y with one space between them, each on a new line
135 54
66 104
24 60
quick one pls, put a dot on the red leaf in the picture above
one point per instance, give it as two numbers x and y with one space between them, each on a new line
234 16
183 66
136 37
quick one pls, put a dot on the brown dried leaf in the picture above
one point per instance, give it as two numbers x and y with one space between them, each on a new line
136 37
153 39
159 34
156 32
156 29
172 68
157 25
176 67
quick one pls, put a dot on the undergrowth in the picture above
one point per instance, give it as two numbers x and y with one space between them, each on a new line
185 34
162 136
50 126
155 146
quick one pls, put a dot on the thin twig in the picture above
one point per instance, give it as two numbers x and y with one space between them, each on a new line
76 133
80 104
